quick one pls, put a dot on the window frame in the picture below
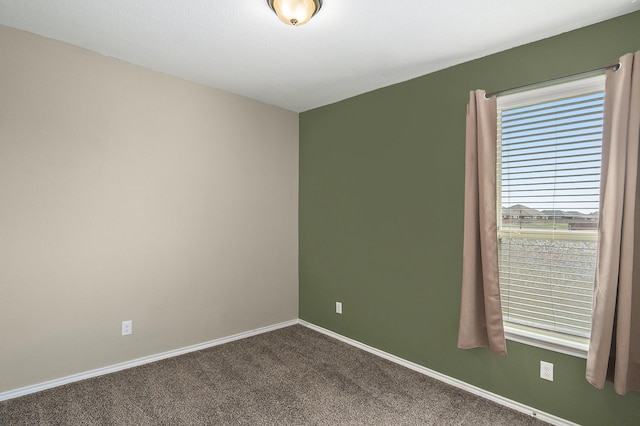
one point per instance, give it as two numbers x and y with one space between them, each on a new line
557 342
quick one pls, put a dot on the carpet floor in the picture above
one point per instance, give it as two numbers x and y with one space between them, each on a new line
291 376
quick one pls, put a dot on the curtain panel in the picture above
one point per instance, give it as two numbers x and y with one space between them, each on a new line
614 351
480 310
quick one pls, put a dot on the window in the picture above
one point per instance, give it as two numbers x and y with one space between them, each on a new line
549 156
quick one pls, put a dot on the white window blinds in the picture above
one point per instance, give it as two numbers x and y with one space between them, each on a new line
549 155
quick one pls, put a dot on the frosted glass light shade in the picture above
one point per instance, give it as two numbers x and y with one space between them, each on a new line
295 12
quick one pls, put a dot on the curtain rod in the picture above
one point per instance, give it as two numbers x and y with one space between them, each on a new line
614 67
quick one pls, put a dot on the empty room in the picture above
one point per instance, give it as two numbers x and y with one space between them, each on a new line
319 212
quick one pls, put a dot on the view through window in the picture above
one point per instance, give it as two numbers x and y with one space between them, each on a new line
549 156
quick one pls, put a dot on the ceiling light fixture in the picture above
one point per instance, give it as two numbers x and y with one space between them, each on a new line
295 12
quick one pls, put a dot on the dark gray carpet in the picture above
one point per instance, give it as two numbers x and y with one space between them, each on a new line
291 376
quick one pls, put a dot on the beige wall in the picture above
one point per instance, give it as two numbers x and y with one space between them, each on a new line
130 194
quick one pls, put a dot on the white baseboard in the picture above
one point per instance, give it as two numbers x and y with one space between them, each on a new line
549 418
140 361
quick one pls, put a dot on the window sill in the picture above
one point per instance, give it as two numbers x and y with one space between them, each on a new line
566 345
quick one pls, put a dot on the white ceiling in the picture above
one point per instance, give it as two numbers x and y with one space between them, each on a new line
349 47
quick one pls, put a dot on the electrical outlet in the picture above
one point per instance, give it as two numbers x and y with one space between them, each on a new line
546 371
127 327
338 307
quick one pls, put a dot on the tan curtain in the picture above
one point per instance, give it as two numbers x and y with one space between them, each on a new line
480 310
614 350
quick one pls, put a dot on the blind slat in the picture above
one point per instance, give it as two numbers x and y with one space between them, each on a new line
560 140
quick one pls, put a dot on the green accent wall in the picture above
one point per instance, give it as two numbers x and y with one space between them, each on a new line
381 214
